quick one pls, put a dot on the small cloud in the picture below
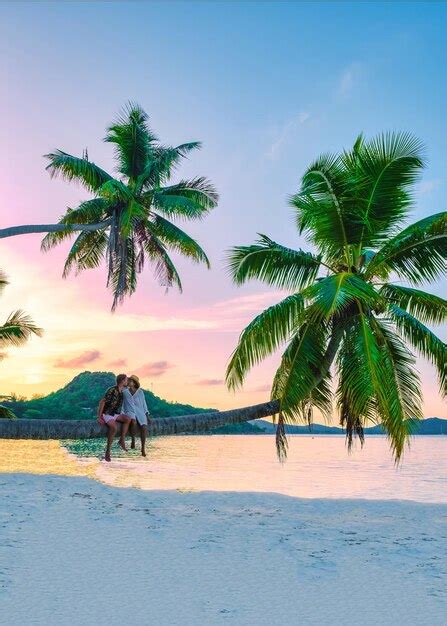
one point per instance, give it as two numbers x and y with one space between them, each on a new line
118 363
153 370
79 361
348 79
286 129
427 186
210 382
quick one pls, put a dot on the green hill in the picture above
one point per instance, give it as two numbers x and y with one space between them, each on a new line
79 400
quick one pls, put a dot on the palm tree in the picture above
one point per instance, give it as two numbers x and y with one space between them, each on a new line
345 308
16 331
128 220
89 429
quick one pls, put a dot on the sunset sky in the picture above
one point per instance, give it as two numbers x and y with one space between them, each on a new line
266 87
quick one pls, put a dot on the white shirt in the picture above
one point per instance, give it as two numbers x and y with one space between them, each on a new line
128 407
141 409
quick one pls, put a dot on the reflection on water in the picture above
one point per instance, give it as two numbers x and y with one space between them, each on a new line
317 467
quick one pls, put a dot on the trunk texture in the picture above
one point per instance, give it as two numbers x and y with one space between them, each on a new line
12 231
90 429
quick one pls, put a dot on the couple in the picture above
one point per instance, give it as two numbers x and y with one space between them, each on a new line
124 403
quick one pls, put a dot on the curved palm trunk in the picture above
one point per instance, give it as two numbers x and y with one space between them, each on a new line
89 429
12 231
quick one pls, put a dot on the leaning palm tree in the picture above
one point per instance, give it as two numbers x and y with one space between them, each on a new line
16 331
129 218
345 312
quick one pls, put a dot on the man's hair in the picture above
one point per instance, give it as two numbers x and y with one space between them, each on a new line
120 378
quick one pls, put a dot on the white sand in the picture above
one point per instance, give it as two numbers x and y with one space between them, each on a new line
74 551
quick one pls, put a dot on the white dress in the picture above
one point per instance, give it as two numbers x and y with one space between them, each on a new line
128 408
141 409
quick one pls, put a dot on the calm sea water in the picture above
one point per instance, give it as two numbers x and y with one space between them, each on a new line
317 467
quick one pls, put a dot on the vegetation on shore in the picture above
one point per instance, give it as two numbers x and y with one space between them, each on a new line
79 399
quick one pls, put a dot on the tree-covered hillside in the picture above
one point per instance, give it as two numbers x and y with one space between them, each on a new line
79 400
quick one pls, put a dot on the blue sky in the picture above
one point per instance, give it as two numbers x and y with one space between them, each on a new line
265 86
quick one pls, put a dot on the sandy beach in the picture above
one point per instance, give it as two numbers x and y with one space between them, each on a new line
75 551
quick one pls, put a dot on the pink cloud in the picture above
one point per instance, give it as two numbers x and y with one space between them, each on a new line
79 361
210 382
153 369
118 363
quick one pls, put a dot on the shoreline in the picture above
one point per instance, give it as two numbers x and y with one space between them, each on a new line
70 543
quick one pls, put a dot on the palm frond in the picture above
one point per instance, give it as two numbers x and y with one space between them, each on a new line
6 413
87 252
163 162
176 239
298 375
321 213
377 382
132 139
89 212
78 169
418 253
262 337
428 308
334 294
273 264
386 168
17 329
164 268
424 341
188 200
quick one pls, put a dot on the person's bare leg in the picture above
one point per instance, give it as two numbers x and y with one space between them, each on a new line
110 436
125 421
133 431
143 433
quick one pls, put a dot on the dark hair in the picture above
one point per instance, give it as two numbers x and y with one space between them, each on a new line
132 380
120 378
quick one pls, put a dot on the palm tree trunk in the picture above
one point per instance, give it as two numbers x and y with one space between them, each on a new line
12 231
89 429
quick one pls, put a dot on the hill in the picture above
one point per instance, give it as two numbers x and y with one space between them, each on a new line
79 400
429 426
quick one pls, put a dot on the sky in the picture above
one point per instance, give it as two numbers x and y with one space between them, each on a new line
266 87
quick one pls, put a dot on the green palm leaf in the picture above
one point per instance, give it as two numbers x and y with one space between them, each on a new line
273 264
428 308
88 212
80 170
17 329
176 239
87 252
336 293
297 377
187 200
262 337
6 413
387 168
418 253
424 341
132 139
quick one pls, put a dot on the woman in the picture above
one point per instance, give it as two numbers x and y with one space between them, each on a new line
141 411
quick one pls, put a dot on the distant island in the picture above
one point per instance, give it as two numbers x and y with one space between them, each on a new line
80 397
429 426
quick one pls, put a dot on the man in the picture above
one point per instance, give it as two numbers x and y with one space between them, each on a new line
109 413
